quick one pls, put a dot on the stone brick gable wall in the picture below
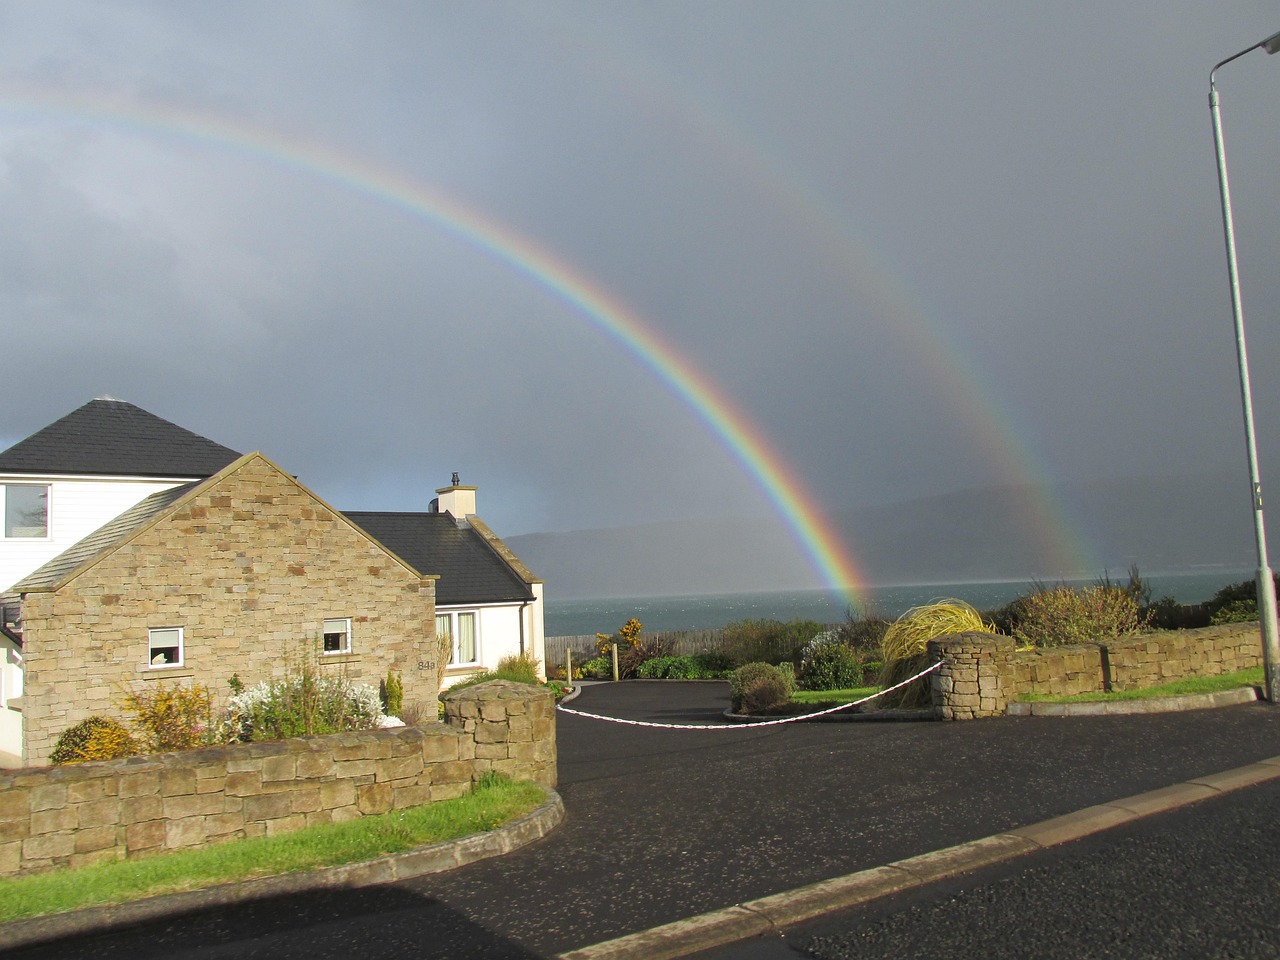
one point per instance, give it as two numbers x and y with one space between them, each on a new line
249 566
121 809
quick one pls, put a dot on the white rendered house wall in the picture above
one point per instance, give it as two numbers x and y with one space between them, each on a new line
76 507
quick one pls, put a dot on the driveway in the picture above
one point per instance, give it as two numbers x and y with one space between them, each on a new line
664 824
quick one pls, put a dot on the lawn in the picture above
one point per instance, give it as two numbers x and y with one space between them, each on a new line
1226 681
829 698
489 805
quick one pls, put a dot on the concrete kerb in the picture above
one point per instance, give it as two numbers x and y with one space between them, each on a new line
434 858
1111 708
722 927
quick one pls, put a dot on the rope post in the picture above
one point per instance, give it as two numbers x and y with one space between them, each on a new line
568 666
615 662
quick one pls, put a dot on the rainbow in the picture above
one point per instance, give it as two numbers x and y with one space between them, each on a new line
828 556
1005 442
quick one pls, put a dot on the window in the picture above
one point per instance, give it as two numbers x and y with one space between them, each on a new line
462 628
26 510
337 635
165 646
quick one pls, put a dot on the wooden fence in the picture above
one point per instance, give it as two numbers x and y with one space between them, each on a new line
682 643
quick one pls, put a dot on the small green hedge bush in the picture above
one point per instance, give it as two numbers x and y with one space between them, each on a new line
760 687
829 666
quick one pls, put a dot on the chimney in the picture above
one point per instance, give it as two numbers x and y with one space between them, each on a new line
455 499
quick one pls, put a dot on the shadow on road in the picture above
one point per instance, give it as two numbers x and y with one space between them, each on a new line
372 923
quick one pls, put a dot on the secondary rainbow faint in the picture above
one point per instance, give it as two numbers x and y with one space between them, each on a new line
829 557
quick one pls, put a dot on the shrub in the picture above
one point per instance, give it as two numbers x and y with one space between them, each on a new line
599 668
863 631
1237 611
626 637
393 694
173 717
755 687
829 666
302 705
94 738
771 641
1060 615
714 664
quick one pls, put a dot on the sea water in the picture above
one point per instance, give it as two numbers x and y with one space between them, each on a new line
565 618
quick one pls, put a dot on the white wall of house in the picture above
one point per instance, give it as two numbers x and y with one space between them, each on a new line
77 506
10 694
499 634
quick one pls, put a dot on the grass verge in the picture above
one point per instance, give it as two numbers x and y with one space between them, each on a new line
490 804
1225 681
829 698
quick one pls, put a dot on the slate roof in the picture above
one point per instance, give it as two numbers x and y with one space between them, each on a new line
470 570
115 438
102 540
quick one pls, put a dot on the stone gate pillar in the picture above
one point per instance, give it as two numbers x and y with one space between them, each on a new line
971 682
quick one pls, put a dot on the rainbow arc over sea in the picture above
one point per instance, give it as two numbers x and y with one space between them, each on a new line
785 490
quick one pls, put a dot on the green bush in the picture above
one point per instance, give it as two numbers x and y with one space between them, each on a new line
1237 611
302 705
756 641
392 694
714 664
599 668
863 631
829 666
94 738
1056 616
758 687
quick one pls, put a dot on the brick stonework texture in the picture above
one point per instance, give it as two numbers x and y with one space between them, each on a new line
982 672
120 809
249 567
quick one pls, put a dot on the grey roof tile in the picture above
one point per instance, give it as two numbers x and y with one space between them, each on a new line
469 569
115 438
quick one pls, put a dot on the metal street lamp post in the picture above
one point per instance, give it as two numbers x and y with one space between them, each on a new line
1266 582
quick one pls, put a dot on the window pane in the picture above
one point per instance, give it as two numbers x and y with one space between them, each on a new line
166 646
337 636
466 645
26 510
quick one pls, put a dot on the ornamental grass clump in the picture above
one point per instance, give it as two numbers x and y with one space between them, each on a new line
903 646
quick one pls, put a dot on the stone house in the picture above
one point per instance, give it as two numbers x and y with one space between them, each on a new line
236 574
76 490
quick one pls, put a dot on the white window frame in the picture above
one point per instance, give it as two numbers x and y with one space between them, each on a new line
153 648
4 510
451 616
344 645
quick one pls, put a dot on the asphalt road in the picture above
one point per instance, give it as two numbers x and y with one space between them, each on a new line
664 824
1199 883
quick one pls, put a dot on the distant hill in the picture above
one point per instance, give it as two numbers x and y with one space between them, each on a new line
1163 524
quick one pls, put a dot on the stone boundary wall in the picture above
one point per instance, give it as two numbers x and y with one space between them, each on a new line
1141 660
982 672
121 809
